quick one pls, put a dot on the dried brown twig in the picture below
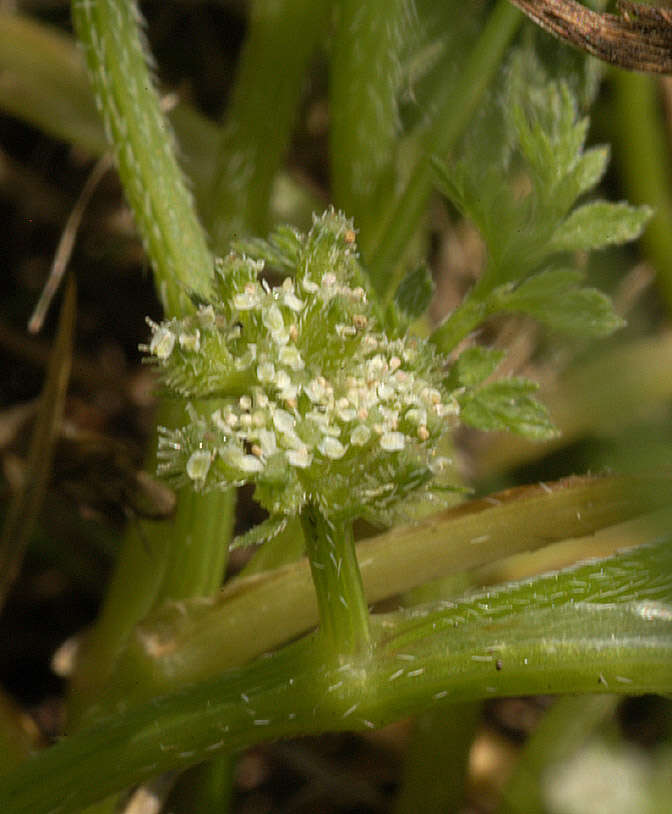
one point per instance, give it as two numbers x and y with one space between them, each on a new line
638 38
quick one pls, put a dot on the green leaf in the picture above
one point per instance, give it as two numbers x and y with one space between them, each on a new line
415 293
550 136
523 229
599 224
473 366
555 299
590 169
484 197
507 405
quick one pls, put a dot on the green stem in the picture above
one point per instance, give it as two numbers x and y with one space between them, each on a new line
468 315
644 158
454 112
342 607
129 597
435 765
587 629
365 76
184 555
141 137
202 530
183 644
282 37
207 787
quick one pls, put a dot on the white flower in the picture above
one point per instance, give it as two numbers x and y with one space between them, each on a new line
431 394
360 435
439 464
199 464
416 416
311 393
344 411
385 392
266 372
248 464
292 302
247 299
267 442
331 448
162 342
245 360
272 319
283 421
290 356
392 441
300 458
282 380
318 390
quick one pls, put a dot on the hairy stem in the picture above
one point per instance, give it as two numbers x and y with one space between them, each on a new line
140 135
343 611
365 77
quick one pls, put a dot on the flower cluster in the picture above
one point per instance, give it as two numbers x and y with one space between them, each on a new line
296 387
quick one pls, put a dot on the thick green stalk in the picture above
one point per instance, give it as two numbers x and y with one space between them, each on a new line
126 96
454 112
191 642
604 627
202 528
365 76
342 607
282 38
